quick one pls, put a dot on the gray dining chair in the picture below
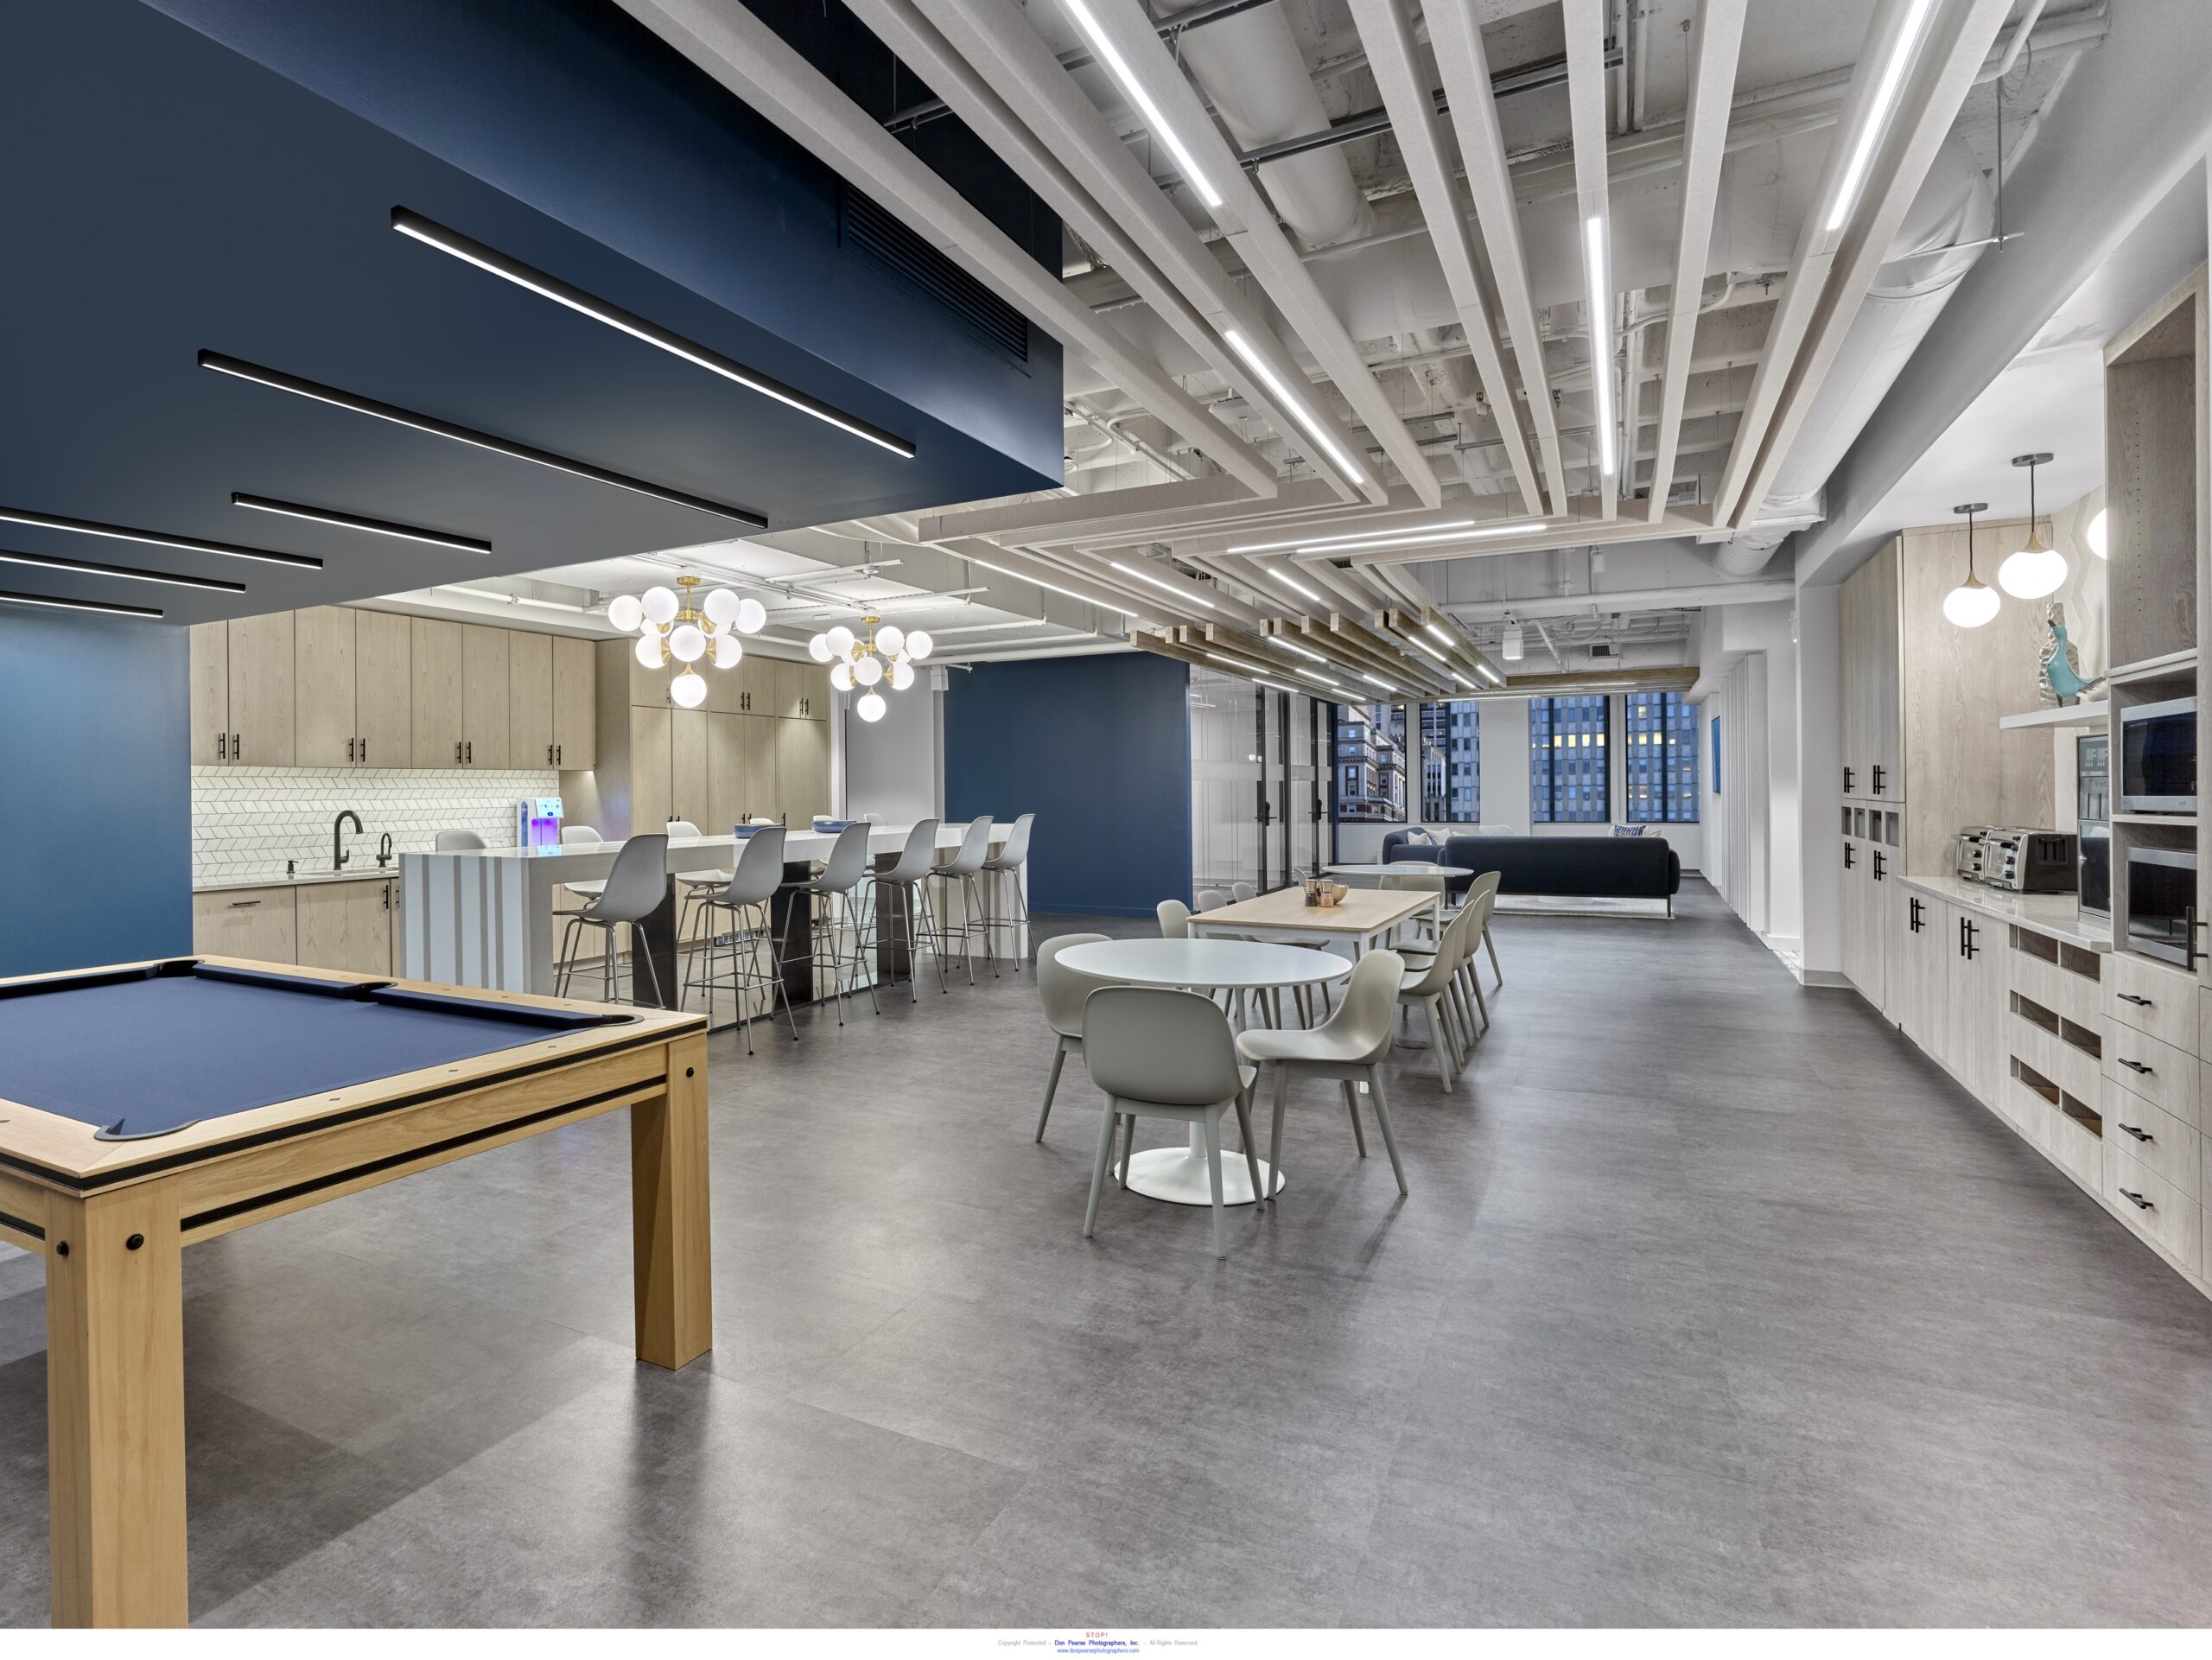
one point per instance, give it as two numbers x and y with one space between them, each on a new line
1158 1053
1351 1047
636 887
748 898
1063 992
1174 918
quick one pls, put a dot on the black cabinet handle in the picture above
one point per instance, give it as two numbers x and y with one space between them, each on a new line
456 751
472 752
2133 1066
1846 856
2140 1135
1878 864
2130 997
1878 780
549 754
237 746
387 896
365 752
244 905
222 746
2188 940
560 751
2137 1200
1847 781
350 745
1912 915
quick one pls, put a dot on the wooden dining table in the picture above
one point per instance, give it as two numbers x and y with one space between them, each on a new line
1361 919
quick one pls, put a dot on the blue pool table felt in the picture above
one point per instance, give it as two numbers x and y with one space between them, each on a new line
148 1053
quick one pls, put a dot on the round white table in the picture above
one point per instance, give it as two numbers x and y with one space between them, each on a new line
1178 1175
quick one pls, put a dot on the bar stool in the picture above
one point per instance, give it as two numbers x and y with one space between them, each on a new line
829 894
747 896
908 878
1009 862
582 836
965 867
636 887
692 885
458 842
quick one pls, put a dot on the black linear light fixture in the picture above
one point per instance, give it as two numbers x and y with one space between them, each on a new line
93 568
53 602
301 387
156 538
356 522
432 234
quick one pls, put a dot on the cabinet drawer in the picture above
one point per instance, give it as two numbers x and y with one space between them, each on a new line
2154 1138
2078 1073
2074 1147
257 923
2155 1208
2081 1000
2162 1001
2160 1073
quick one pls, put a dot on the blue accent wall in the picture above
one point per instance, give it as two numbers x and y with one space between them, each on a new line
95 791
1099 748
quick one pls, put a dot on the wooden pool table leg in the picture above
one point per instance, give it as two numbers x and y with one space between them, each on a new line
673 1252
115 1407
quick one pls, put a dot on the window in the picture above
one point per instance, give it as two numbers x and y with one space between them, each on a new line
1568 760
1450 764
1659 758
1369 750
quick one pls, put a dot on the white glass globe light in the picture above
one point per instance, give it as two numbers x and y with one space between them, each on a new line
660 605
870 707
728 651
2032 572
687 690
688 642
869 670
841 641
649 651
919 645
624 612
902 675
840 675
1971 604
818 648
2094 535
752 615
891 639
721 606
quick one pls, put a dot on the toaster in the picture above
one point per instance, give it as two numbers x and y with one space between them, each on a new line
1972 856
2030 861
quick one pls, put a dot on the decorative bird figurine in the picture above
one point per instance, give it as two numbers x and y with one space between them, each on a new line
2062 661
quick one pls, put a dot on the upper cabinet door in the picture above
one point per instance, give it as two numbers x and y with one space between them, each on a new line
324 730
1885 708
688 797
262 690
529 699
576 704
383 693
484 699
210 693
435 650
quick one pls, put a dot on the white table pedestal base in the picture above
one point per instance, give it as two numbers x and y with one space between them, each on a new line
1178 1175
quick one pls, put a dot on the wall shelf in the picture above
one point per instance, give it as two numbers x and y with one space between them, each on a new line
2077 715
2174 665
2157 820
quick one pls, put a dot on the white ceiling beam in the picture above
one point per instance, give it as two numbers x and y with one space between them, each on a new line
1716 39
748 57
1585 107
1455 36
985 561
1678 522
1387 34
1682 596
1142 513
1249 222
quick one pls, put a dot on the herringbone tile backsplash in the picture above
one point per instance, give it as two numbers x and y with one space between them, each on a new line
247 821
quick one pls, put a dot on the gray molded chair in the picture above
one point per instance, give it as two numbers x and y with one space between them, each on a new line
582 836
1431 981
748 897
1174 918
636 887
1351 1047
830 892
1210 899
1466 982
1011 856
692 885
1239 892
1418 880
911 915
966 868
1158 1053
458 842
1063 992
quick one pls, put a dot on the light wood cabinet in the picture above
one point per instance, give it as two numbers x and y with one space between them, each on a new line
326 672
725 773
797 692
764 797
687 744
1917 931
210 650
529 699
802 770
262 680
1871 680
652 798
346 925
575 697
1863 951
250 922
485 697
436 674
1974 998
384 692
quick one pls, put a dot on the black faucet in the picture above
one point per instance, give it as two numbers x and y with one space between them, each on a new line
338 857
384 849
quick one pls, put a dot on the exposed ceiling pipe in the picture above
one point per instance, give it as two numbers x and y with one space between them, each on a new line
1112 429
1682 595
748 57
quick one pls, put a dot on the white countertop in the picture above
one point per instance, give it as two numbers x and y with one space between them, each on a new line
275 877
2058 914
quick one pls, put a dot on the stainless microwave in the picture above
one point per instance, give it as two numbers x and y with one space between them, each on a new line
2162 904
2157 761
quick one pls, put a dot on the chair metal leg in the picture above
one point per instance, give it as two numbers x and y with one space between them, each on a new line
1129 1147
652 971
1251 1153
1052 1082
1274 1129
1492 946
1351 1105
776 989
863 933
1438 1041
1481 1001
1382 1117
1213 1123
1106 1129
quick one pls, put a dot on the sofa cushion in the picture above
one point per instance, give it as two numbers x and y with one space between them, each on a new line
1559 866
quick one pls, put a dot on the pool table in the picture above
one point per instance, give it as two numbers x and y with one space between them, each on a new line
152 1106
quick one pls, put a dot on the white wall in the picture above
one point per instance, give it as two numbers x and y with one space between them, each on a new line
896 767
1750 661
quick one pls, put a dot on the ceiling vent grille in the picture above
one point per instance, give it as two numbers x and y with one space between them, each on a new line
865 227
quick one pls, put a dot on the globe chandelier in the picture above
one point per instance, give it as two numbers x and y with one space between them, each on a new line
885 654
668 626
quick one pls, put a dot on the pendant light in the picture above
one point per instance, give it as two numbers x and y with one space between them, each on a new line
1973 603
2035 570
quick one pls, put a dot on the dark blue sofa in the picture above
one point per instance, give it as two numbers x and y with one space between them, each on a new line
1561 867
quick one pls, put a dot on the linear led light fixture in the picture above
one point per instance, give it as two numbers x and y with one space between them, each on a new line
92 567
57 604
1438 634
1289 645
355 522
299 387
155 538
1464 530
432 234
1601 336
1164 585
1282 579
1281 394
1372 681
510 599
1125 78
1038 581
1878 113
